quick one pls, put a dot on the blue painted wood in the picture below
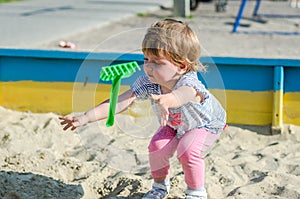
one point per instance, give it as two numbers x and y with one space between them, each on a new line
259 62
278 78
238 77
22 68
291 79
252 74
61 66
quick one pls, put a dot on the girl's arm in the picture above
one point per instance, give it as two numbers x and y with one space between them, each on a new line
174 99
99 112
178 97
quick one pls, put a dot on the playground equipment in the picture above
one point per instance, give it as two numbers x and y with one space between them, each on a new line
255 14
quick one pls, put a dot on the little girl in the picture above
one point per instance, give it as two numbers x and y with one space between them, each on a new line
191 117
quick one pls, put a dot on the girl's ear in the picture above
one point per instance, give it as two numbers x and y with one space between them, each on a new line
183 67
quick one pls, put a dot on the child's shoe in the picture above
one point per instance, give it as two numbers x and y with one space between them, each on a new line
196 194
158 191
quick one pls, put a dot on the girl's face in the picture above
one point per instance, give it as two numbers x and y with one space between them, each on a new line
161 71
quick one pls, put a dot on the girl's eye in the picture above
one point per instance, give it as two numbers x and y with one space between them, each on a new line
152 63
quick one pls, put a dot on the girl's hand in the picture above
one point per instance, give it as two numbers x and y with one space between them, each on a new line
73 122
163 108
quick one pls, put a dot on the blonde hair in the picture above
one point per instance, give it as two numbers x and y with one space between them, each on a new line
174 40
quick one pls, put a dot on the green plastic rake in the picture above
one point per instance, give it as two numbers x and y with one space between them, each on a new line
115 73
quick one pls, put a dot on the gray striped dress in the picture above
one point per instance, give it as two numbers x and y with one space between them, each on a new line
208 114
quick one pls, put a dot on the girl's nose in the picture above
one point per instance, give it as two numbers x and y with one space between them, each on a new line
148 66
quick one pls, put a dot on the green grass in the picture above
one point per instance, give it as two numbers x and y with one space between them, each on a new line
8 1
140 14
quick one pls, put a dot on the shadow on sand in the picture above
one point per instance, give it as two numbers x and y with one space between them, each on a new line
28 185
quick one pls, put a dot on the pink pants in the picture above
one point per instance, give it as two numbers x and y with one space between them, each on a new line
190 148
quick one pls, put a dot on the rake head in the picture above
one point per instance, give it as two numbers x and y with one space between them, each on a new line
123 70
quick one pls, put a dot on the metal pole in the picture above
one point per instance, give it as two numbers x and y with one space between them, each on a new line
256 7
239 16
182 8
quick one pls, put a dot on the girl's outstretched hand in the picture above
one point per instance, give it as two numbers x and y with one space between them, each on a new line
69 123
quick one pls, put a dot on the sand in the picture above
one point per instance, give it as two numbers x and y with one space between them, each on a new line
40 160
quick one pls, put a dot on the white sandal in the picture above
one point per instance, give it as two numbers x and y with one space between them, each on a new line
158 191
196 194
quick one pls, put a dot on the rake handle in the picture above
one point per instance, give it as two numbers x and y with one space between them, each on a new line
114 92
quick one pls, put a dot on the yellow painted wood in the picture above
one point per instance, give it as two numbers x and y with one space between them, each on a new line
243 107
277 116
60 97
291 108
246 107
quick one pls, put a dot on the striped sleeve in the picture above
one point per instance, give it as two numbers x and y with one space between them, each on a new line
142 88
191 80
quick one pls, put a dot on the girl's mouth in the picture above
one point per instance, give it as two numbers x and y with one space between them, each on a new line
150 75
